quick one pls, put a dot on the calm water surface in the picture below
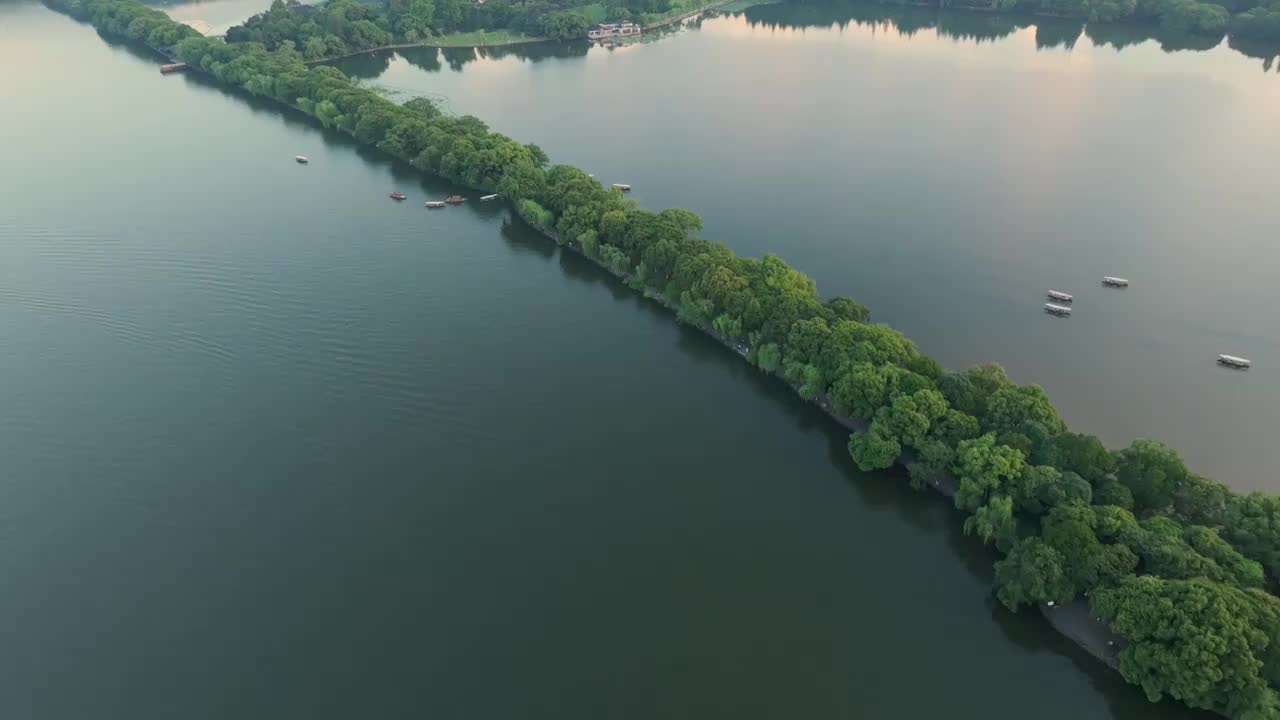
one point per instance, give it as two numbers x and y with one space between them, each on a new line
214 17
946 177
277 447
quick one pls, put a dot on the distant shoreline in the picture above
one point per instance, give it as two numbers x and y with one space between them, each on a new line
506 43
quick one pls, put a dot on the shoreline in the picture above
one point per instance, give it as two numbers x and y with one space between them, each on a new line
437 45
1075 620
506 43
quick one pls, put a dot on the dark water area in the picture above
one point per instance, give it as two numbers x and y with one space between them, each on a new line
275 446
946 169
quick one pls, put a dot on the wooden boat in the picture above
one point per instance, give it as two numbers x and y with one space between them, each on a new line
397 195
455 199
1059 296
1235 362
1057 309
622 186
1115 281
300 159
488 198
434 204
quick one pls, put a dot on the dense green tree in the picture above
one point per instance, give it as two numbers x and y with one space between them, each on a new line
1012 406
954 427
1152 471
1111 492
970 391
1251 523
1033 572
1202 642
1085 456
994 522
564 24
907 417
983 469
1069 529
1036 489
873 451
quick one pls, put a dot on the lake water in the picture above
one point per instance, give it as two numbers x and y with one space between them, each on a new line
946 178
277 447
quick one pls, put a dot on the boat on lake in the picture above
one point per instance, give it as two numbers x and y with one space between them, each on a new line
455 199
434 204
1115 281
622 186
1235 362
488 198
301 159
1053 309
1059 296
397 195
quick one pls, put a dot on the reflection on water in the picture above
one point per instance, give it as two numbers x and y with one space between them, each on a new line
968 26
213 17
979 26
373 64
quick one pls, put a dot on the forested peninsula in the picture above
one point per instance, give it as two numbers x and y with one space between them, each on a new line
340 27
1181 568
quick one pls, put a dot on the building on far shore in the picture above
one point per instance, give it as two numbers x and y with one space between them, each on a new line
626 28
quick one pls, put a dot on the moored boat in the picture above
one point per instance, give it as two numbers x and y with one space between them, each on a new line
1057 309
1115 281
1235 362
1059 296
397 195
301 159
434 204
622 186
488 198
455 199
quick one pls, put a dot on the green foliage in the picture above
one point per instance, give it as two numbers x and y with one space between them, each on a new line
1033 572
614 258
1251 523
970 391
908 417
1111 492
983 468
1037 489
994 522
1259 23
1202 642
873 451
535 214
563 24
1012 406
769 357
1084 455
1088 562
339 27
1153 472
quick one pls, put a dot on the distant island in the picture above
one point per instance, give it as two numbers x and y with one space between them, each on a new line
1182 569
343 27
